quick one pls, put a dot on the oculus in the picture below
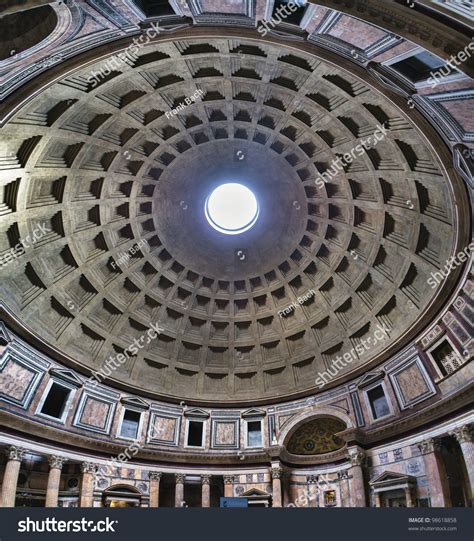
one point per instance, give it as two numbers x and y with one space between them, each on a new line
231 209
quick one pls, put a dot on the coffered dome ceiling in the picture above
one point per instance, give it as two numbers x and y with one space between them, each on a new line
104 167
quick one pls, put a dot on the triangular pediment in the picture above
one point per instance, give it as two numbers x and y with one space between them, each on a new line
370 377
388 477
254 412
254 493
66 375
134 401
196 412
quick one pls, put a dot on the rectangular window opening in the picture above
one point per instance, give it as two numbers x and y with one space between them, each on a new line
195 433
446 359
130 424
422 66
155 8
281 11
254 434
56 401
378 402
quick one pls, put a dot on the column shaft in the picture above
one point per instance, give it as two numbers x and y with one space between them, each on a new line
10 477
155 478
206 491
228 486
436 474
467 448
179 490
357 485
54 479
276 472
464 436
87 484
312 488
357 488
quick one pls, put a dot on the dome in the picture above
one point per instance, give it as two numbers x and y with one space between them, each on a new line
344 243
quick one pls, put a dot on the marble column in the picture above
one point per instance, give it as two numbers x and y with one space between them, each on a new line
312 487
155 478
409 496
206 490
357 485
228 486
276 472
54 478
435 473
10 477
179 493
378 499
343 477
464 436
89 469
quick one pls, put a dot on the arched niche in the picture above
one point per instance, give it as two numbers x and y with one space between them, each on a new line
23 30
312 413
316 437
121 496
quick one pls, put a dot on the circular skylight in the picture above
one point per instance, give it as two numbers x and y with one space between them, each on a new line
232 208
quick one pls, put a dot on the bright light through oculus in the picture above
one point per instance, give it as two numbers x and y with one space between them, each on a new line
231 209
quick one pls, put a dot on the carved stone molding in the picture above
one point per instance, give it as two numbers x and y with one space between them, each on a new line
463 434
57 461
155 475
16 453
429 446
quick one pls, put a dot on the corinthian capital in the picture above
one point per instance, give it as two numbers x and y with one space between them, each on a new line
16 453
206 479
155 475
89 467
428 446
228 479
276 472
463 434
356 457
180 477
57 461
